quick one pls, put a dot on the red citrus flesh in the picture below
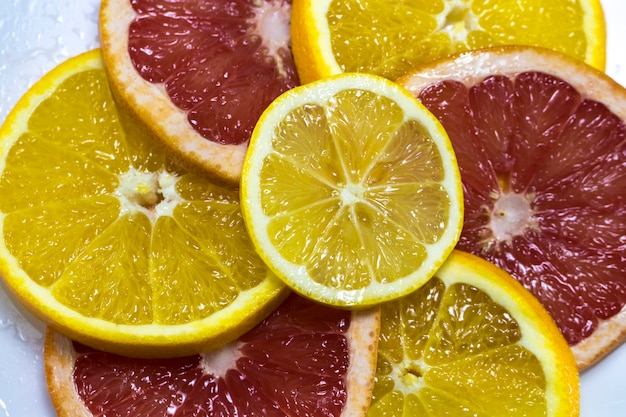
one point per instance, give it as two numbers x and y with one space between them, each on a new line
294 363
220 61
544 176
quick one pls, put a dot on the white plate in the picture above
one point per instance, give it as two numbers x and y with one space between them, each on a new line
35 36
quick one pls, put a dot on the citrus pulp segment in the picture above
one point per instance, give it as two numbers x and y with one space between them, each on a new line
304 359
472 341
541 144
103 237
199 74
389 38
351 190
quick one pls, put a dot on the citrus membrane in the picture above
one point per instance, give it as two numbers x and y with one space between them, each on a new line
199 74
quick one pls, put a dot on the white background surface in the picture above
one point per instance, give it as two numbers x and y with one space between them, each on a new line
35 36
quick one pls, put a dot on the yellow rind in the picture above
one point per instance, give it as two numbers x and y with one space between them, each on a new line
539 332
312 39
436 326
595 25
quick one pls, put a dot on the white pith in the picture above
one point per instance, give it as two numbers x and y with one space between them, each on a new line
457 20
351 193
408 376
219 361
151 193
512 215
471 68
273 26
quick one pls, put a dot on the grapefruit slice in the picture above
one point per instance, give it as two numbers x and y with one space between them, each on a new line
199 74
541 144
302 360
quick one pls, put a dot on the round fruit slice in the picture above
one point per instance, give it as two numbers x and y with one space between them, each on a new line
304 359
199 73
351 191
108 241
389 38
541 144
472 342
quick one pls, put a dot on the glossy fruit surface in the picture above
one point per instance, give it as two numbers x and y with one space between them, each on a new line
302 360
390 38
541 144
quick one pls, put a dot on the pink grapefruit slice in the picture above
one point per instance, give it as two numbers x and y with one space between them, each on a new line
541 144
199 74
304 359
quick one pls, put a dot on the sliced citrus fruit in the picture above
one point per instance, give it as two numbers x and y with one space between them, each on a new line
541 144
108 241
472 342
304 359
199 74
389 38
351 191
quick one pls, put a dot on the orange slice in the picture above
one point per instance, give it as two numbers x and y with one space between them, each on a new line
104 238
472 342
350 190
541 144
389 38
199 74
304 359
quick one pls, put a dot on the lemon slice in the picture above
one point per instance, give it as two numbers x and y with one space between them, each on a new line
472 342
351 191
103 237
389 38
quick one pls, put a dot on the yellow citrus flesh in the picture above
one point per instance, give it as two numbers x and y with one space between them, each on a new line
389 38
108 241
472 341
345 180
